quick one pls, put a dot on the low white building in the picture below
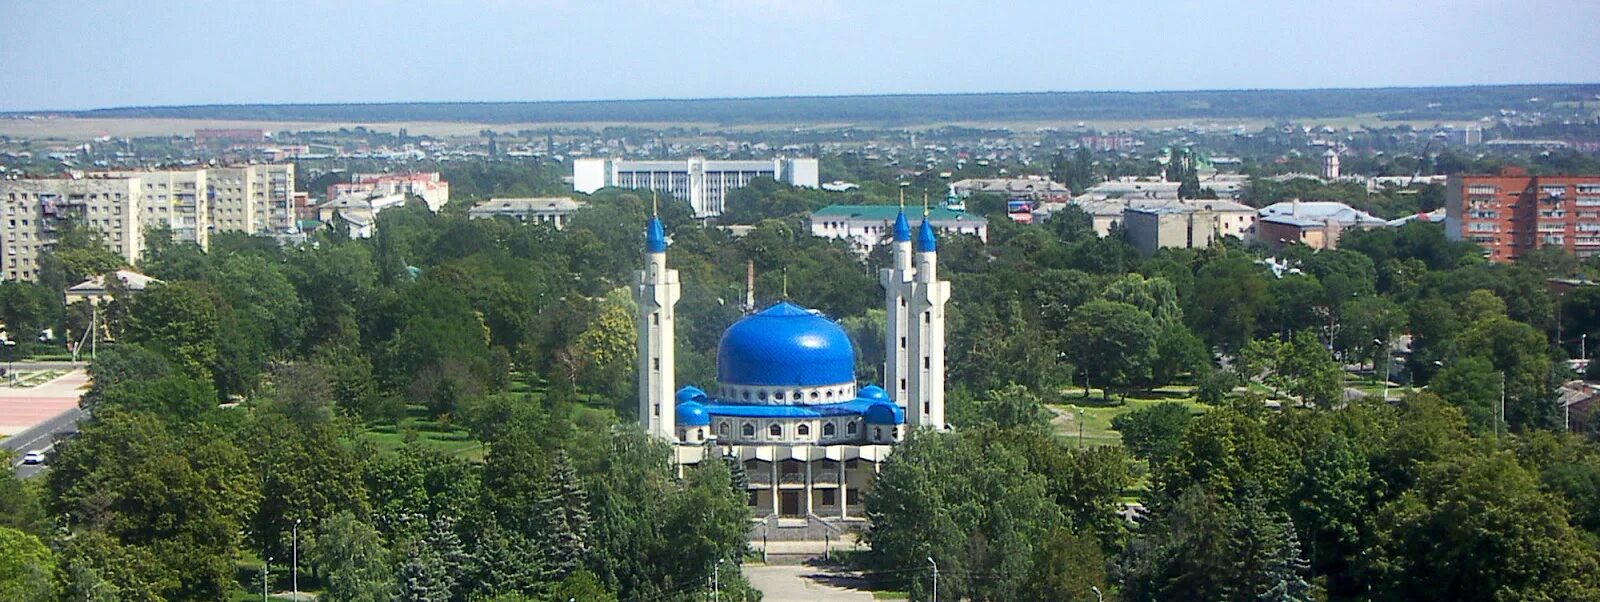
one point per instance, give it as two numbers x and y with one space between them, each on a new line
1035 188
703 183
95 290
550 210
867 226
359 211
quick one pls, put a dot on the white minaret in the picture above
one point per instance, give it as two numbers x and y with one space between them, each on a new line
656 291
896 283
925 407
1330 165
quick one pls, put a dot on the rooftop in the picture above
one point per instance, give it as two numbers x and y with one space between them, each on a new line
887 213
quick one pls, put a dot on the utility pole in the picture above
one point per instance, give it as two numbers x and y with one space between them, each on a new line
1502 404
1384 345
935 578
716 582
264 566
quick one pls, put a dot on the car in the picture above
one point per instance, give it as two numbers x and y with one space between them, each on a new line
33 457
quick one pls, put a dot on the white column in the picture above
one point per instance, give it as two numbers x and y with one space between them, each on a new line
656 291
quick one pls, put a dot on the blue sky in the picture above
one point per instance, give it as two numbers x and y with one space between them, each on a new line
61 54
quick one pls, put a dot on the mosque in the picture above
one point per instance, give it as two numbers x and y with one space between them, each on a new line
786 403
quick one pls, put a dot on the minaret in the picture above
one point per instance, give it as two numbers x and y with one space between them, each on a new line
896 283
656 291
925 407
1330 165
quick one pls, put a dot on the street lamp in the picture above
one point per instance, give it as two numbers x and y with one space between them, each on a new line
267 562
294 545
1385 347
935 578
716 581
1099 597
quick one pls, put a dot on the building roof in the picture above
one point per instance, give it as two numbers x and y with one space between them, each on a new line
785 345
902 228
655 236
1307 214
1011 186
888 213
927 241
530 204
132 280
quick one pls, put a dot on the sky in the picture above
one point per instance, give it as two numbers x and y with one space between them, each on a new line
65 54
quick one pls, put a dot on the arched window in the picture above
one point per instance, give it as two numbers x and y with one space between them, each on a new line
749 430
775 430
795 395
828 430
722 429
813 394
778 395
762 396
850 428
877 433
745 394
803 430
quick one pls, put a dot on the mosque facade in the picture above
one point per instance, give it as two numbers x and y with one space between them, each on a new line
786 404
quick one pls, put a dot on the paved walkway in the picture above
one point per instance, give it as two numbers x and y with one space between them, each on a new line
24 407
799 583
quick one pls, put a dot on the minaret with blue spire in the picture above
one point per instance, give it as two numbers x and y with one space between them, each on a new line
896 281
925 399
656 290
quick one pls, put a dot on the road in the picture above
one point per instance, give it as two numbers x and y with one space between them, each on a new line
32 416
41 436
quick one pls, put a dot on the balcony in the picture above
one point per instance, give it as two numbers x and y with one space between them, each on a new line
825 477
760 478
792 478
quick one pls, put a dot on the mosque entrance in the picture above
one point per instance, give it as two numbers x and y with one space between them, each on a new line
789 504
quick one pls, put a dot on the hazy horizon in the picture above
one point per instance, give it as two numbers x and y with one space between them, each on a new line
62 57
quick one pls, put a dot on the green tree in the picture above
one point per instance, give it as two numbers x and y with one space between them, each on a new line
1065 566
26 567
1152 432
179 321
350 555
1112 343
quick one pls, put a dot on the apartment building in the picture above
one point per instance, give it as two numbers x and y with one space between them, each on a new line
175 199
36 211
703 183
252 198
1511 213
428 186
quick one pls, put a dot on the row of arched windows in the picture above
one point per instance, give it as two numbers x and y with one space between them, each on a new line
802 430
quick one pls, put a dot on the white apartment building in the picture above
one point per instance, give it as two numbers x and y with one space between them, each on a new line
36 210
546 210
252 198
703 183
175 199
428 186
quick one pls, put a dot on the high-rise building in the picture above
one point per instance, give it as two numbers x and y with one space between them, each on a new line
1511 213
253 199
175 199
701 182
37 210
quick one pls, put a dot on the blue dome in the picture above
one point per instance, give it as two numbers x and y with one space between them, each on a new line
786 346
884 412
691 393
926 241
691 413
902 228
873 392
655 236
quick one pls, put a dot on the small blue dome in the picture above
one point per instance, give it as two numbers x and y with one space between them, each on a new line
691 413
691 393
884 412
655 236
873 392
785 346
926 240
902 228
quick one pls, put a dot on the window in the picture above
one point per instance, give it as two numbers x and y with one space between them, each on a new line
655 363
722 429
775 431
877 432
828 497
902 342
761 395
927 408
657 409
778 396
927 317
927 363
655 319
828 430
850 428
803 430
749 430
814 395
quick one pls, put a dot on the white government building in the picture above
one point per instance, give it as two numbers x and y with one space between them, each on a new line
786 404
703 183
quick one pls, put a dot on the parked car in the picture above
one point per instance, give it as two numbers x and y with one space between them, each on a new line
33 457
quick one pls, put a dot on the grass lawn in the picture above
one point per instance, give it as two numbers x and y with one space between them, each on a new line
448 438
1097 412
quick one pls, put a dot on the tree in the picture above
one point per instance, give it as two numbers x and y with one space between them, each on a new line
179 321
1065 566
1112 343
350 554
1152 432
1478 527
25 567
434 565
1473 385
1177 352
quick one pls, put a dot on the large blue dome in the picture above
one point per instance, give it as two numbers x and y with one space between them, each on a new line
787 346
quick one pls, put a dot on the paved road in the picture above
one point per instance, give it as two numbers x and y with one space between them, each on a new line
40 437
798 583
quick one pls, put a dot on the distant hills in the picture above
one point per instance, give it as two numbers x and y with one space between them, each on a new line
1440 103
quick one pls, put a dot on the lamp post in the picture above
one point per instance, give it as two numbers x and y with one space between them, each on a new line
294 571
935 578
1502 405
1098 596
1080 428
716 582
265 564
1385 347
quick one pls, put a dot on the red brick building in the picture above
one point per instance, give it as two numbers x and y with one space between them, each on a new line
1512 213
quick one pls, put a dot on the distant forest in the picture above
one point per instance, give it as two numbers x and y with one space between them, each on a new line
1442 103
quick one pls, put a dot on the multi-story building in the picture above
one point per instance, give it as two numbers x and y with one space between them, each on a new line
1316 224
1033 188
174 199
701 182
428 186
253 199
1512 213
37 210
1190 225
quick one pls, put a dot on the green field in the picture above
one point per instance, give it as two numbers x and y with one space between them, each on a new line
1097 413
